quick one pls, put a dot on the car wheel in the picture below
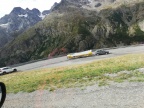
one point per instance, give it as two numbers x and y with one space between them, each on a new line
15 70
4 73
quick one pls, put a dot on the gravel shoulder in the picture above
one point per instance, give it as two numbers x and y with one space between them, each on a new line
117 95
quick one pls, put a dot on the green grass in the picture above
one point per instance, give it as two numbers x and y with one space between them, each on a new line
75 76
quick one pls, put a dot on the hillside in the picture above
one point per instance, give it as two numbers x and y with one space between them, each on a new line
17 21
74 26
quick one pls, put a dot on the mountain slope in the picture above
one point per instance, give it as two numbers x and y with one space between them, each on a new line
17 21
70 28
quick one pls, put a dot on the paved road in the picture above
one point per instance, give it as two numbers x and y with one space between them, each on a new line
62 61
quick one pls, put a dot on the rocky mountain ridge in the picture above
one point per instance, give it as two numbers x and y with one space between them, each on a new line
72 28
97 5
18 21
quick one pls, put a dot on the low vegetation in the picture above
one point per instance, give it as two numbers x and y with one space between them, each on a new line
100 72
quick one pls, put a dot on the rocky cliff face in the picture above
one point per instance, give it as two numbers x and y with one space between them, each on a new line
72 26
18 21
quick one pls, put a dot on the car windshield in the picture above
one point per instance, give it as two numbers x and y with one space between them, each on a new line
72 53
5 68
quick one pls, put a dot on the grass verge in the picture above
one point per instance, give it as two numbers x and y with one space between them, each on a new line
73 76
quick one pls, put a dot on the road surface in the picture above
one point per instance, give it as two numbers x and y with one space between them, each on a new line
63 61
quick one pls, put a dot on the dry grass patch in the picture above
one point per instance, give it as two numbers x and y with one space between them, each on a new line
72 76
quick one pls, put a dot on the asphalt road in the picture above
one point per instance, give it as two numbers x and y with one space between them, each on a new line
63 61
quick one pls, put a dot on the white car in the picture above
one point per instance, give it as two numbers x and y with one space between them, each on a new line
5 70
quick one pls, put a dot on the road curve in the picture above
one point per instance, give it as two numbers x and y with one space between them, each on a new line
62 61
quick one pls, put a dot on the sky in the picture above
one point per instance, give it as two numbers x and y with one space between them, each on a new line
6 6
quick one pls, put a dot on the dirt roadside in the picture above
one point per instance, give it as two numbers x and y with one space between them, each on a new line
117 95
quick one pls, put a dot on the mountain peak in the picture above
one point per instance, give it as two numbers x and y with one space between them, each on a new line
95 5
17 10
27 9
35 11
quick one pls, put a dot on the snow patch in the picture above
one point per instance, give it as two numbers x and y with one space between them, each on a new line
4 25
26 15
42 16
